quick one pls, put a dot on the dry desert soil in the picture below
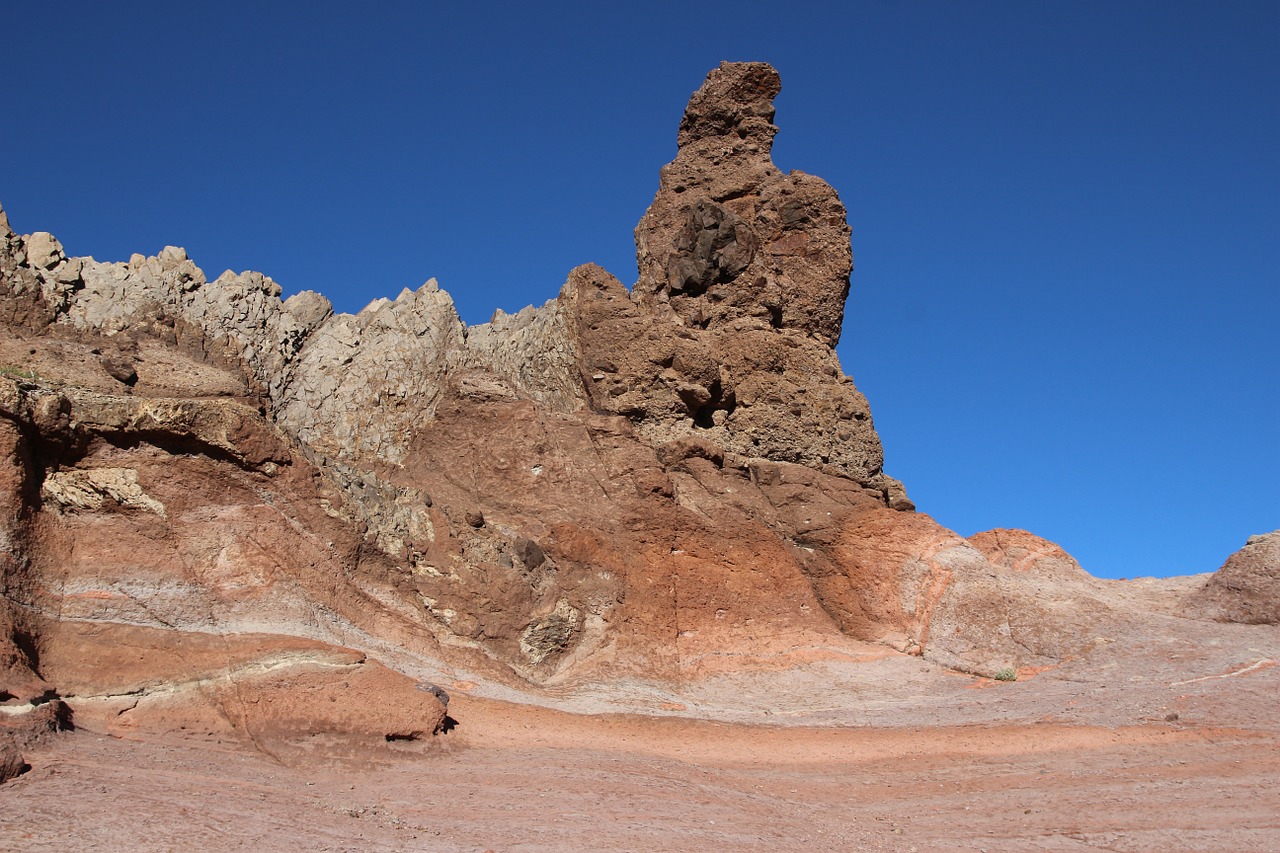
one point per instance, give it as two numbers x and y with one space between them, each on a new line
1051 762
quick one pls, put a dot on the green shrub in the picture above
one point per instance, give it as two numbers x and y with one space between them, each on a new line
1006 674
11 372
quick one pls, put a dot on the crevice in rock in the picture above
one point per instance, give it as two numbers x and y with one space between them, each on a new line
402 736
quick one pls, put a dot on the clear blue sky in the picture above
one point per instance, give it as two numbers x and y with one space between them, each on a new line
1066 215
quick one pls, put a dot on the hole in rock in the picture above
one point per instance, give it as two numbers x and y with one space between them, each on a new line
391 736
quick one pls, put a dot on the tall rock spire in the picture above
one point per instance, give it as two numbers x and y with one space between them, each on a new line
728 235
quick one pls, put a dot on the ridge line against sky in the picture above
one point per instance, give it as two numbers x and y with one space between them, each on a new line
1065 215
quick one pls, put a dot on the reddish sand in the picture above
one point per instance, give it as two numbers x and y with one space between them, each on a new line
517 778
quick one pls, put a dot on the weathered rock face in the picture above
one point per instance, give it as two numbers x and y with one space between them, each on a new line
11 763
753 266
729 236
1024 552
753 390
278 692
656 484
1247 587
602 485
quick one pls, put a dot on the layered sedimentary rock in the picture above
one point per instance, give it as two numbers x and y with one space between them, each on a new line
658 483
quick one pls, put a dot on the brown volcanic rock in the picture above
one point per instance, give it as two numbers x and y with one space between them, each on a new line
892 571
15 494
650 483
748 388
728 235
751 269
181 519
22 690
25 302
1247 587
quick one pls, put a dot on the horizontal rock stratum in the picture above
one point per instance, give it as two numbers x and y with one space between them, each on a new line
209 492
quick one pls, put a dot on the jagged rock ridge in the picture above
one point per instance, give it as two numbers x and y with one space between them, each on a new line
658 483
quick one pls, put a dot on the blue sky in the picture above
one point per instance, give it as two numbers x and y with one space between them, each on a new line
1066 215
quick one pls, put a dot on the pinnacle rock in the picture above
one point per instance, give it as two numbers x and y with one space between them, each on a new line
729 237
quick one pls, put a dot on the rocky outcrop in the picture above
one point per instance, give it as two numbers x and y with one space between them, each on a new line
166 520
752 265
278 693
1002 599
729 237
1247 586
685 458
756 391
1021 551
728 334
216 506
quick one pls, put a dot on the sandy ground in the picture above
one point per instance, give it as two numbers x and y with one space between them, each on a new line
518 778
1167 739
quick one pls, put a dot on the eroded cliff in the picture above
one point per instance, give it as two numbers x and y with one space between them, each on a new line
659 483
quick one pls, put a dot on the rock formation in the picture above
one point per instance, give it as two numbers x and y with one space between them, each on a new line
258 516
1246 588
